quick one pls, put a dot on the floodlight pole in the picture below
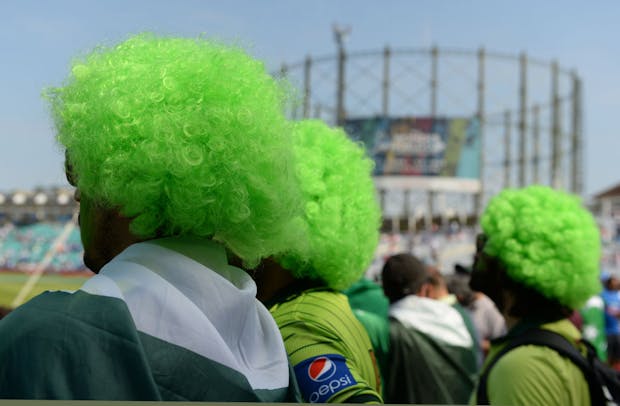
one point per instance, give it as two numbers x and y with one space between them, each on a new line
339 34
479 198
385 105
522 119
556 130
307 85
536 146
507 149
576 138
434 73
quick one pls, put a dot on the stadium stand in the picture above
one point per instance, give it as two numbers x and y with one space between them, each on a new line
31 220
30 223
23 247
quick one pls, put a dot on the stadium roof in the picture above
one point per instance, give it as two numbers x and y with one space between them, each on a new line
610 192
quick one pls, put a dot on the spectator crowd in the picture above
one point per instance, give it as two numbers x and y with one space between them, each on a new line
23 247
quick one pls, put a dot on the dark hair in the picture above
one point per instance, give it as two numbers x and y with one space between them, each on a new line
402 275
609 283
462 270
4 311
458 285
529 303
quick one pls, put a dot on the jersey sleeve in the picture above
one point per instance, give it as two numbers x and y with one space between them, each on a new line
324 367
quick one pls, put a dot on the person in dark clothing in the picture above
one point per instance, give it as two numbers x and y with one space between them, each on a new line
433 356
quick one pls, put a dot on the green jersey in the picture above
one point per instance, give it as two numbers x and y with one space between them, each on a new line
378 329
368 296
535 374
328 348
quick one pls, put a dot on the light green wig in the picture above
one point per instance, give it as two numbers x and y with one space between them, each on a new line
184 136
547 241
341 215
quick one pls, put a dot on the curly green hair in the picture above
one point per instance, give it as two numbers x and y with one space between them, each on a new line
341 215
184 136
546 240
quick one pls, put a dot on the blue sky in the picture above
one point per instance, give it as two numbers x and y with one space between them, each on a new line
39 38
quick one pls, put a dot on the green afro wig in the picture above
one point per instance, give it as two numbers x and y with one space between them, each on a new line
184 136
341 215
547 241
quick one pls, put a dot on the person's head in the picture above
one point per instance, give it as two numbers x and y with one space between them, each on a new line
462 270
610 282
458 285
172 136
538 254
402 275
339 225
438 287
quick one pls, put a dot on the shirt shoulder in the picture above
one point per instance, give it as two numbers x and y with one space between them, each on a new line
317 318
532 374
328 348
69 314
53 342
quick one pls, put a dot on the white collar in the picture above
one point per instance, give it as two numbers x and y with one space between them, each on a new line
434 318
183 291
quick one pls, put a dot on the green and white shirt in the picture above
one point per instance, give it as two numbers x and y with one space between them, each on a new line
433 356
165 320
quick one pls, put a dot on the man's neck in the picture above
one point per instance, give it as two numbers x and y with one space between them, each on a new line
271 279
506 310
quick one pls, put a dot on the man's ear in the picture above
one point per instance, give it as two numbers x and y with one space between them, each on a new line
427 290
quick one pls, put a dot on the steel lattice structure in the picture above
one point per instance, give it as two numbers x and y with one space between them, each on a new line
530 111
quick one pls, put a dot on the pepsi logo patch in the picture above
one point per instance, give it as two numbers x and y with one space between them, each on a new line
321 377
321 369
